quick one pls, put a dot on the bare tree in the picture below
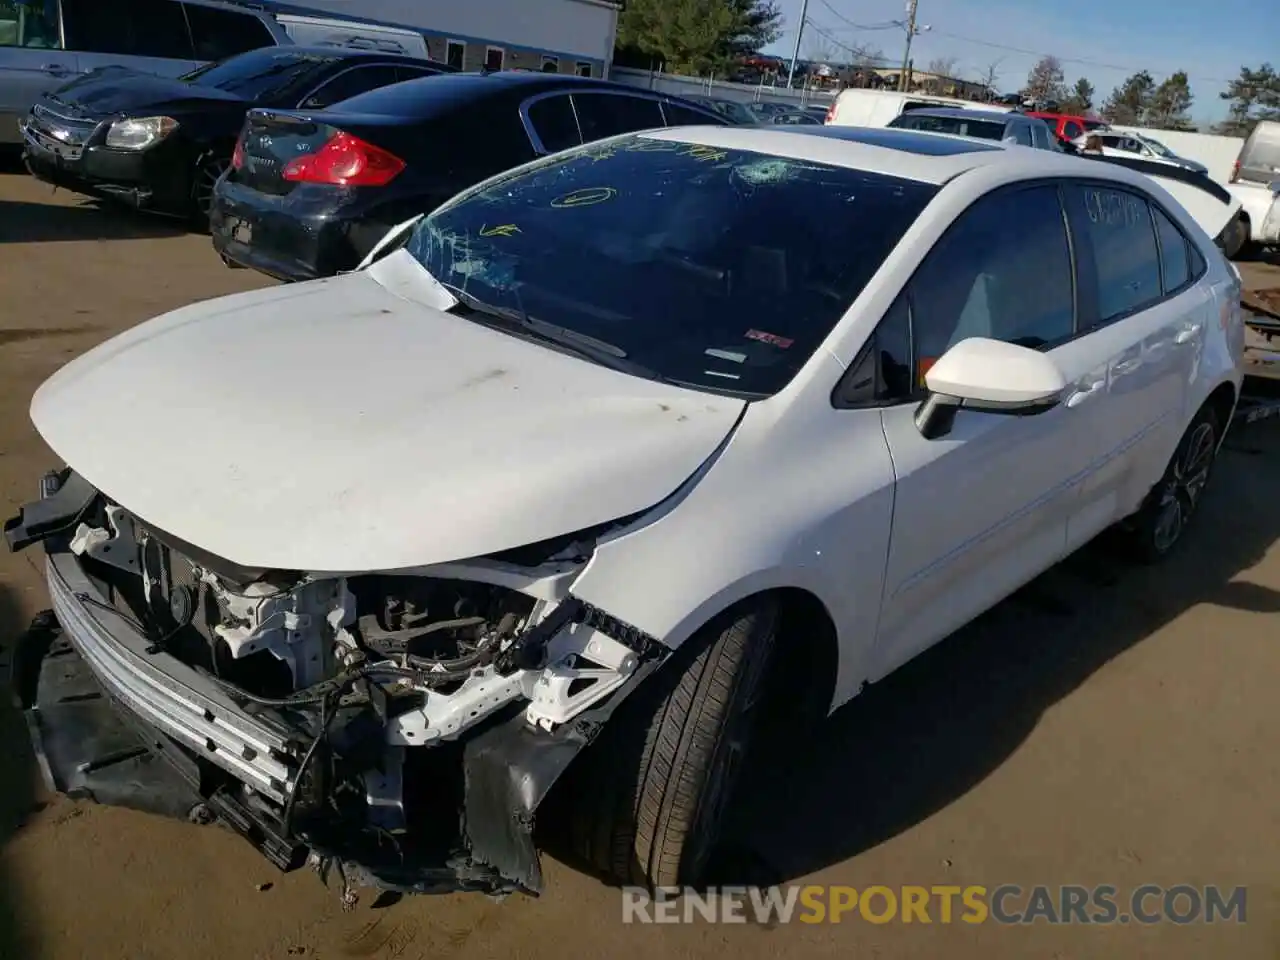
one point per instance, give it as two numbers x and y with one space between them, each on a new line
942 71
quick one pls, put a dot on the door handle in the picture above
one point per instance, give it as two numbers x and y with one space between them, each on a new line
56 69
1080 396
1187 334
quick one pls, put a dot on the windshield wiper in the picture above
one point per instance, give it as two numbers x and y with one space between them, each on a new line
588 347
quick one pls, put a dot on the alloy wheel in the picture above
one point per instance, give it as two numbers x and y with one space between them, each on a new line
1182 488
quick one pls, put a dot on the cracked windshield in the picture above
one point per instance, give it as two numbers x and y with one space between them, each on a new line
710 267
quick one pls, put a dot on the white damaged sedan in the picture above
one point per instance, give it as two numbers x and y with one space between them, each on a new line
590 460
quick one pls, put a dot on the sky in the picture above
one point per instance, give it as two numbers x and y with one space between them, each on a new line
1104 40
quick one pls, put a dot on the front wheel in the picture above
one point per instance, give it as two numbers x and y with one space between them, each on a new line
1159 525
207 174
648 802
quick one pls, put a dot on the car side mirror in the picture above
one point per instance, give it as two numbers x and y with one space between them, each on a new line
991 376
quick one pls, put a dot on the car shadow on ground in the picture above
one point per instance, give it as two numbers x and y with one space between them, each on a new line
24 221
921 738
18 799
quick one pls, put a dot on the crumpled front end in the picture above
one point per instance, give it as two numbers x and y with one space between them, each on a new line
401 728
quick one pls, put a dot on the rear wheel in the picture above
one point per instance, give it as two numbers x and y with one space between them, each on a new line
206 177
1235 237
1159 525
647 802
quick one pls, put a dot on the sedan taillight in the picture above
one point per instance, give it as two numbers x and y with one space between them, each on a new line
345 161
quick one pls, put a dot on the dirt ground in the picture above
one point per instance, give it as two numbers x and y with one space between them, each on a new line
1109 725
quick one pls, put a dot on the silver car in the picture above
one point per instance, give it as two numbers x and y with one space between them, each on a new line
44 44
982 124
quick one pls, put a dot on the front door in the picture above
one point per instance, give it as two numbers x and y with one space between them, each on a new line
32 61
981 510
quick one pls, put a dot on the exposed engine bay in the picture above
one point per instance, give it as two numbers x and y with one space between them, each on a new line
355 697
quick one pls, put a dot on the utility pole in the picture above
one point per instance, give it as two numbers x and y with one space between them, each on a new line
906 54
795 54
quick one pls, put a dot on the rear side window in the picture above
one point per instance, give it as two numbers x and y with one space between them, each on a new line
554 124
223 33
603 115
1121 233
351 82
29 23
128 28
1072 130
1022 134
1174 254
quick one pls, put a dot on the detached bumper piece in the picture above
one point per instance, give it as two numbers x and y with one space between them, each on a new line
90 746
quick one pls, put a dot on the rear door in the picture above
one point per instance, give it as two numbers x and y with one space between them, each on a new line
146 35
1141 308
32 60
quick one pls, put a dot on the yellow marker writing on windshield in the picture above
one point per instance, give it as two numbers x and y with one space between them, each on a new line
700 151
585 197
501 230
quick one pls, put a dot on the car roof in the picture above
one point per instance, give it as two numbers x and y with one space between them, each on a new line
908 154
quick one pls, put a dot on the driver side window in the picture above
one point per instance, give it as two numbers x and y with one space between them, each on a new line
1003 271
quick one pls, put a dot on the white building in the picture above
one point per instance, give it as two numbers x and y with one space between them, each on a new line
564 36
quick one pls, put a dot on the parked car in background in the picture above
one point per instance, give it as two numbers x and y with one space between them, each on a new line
310 192
795 117
1126 143
1010 127
764 109
1068 126
734 111
857 107
45 43
1259 222
1259 158
160 144
450 514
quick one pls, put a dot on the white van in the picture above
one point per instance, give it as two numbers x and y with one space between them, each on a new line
353 34
878 108
1259 158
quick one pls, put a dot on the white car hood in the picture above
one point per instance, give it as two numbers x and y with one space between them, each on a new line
338 426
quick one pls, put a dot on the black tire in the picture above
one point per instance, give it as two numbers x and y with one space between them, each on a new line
206 174
647 800
1235 238
1158 527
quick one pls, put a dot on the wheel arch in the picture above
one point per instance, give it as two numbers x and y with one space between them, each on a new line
1222 400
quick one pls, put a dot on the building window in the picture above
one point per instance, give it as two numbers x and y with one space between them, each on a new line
455 53
582 69
550 65
494 58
